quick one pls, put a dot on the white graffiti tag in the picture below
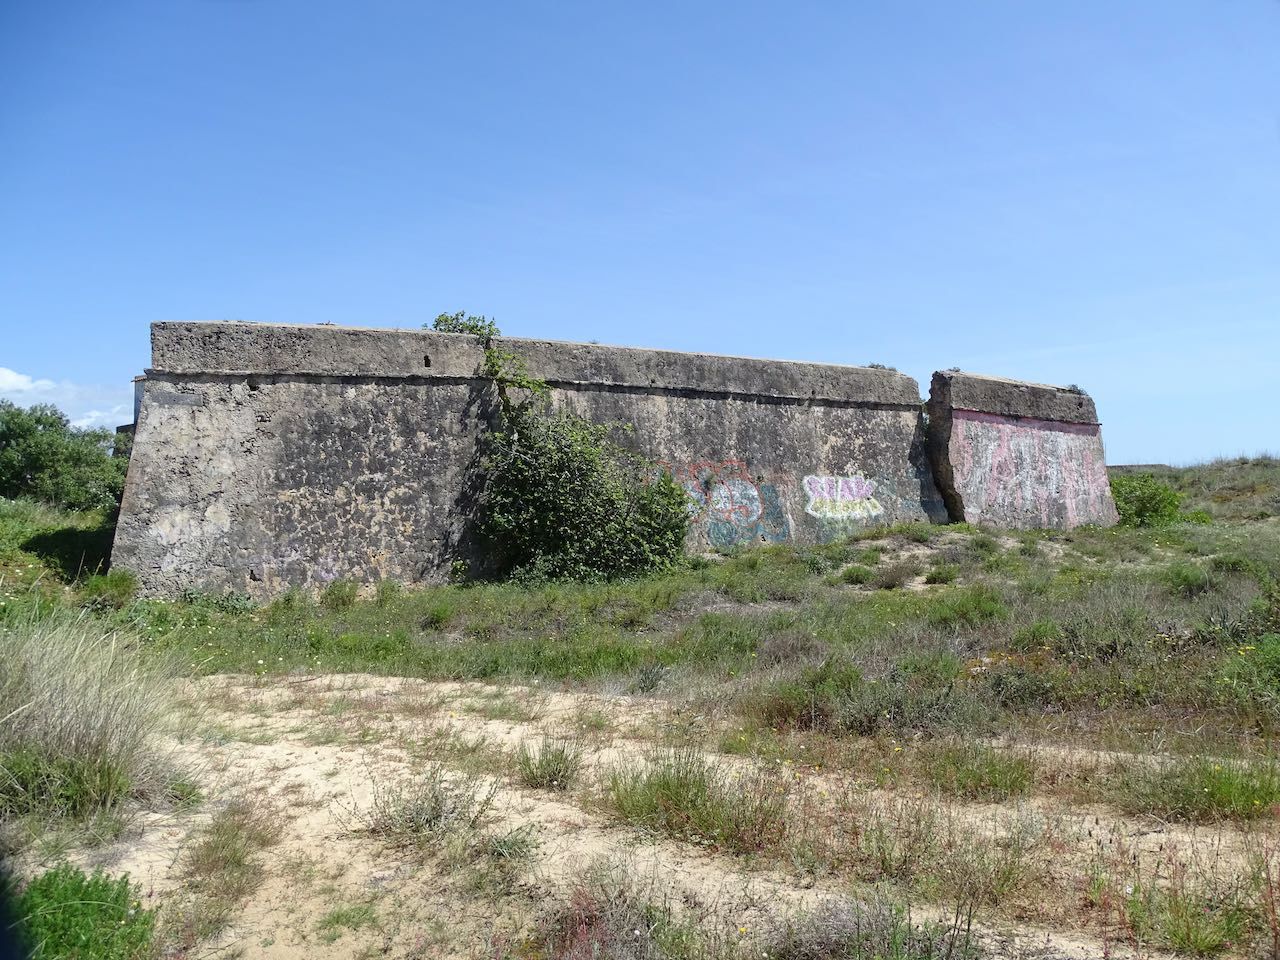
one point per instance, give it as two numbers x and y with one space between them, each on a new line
842 498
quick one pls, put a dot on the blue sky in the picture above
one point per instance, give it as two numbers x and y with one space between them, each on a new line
1084 192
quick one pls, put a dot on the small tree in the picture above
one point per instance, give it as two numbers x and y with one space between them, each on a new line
561 499
44 457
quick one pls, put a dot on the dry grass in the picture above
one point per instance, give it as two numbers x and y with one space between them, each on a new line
423 811
220 869
81 718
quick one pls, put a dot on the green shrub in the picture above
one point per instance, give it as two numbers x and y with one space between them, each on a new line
1143 501
339 595
65 913
227 602
44 457
1187 579
856 574
559 497
563 500
942 573
109 590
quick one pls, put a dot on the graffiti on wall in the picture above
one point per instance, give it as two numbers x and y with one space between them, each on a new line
842 498
1022 471
729 505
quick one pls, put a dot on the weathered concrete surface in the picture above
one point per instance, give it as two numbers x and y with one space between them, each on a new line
1016 454
271 455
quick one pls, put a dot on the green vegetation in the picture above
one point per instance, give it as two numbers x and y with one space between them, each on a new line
681 793
979 772
551 765
422 812
1201 789
1143 501
221 868
41 546
1234 488
611 915
81 714
65 913
563 501
341 919
45 458
559 497
1156 639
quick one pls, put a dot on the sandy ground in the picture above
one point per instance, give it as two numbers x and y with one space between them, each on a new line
316 749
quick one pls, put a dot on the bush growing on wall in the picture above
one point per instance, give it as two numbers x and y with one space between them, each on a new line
44 457
561 498
1143 501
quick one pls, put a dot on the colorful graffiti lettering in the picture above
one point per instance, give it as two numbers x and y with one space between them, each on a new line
841 498
730 506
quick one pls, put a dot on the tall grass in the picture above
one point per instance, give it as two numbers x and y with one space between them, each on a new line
81 718
681 793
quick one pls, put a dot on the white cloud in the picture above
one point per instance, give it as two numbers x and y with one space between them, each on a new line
102 418
86 405
11 381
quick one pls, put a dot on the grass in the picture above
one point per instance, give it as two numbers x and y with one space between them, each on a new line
1235 488
65 912
894 576
516 846
551 765
339 920
681 793
609 913
423 811
976 771
220 869
81 718
942 573
874 930
1198 789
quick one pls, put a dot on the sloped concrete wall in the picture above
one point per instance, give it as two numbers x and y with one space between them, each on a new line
1015 454
269 456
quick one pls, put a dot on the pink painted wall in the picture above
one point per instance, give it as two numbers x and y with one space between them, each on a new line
1024 472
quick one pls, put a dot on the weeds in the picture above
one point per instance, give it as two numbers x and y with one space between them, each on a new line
552 765
337 921
681 793
427 809
978 772
221 868
1200 789
894 576
876 930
